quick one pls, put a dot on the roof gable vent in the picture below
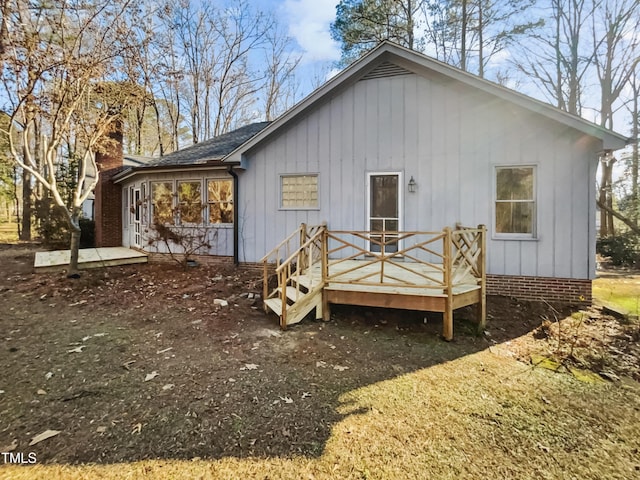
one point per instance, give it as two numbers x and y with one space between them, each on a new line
386 69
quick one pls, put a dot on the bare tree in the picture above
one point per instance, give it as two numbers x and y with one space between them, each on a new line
615 59
634 159
56 65
559 57
279 90
241 30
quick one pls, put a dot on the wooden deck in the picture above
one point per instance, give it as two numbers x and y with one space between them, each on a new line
427 271
88 258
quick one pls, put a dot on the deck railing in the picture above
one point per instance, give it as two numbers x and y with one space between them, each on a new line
406 261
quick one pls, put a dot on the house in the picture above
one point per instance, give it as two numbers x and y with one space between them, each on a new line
397 142
88 206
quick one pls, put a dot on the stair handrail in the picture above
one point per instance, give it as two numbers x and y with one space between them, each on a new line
285 272
274 251
313 239
290 244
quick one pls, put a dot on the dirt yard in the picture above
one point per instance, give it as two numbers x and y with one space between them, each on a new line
135 363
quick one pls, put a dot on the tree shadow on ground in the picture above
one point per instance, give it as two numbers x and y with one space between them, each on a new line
227 381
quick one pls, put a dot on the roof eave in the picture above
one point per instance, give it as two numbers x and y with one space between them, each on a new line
133 171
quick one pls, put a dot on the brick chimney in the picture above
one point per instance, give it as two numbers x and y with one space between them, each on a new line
108 195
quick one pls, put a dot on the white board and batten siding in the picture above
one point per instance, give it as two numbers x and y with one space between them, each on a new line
220 236
450 137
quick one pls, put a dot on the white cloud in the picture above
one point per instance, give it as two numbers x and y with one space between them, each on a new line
332 73
309 22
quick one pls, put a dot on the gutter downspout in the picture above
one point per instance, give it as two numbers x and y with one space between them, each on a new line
236 233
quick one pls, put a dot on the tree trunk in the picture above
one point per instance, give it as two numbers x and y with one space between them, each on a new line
27 210
16 199
463 39
74 247
635 115
605 197
480 42
633 226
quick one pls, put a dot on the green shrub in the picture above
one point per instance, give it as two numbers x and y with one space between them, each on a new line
622 250
52 226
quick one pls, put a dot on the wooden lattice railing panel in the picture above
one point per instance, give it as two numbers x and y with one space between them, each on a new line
422 271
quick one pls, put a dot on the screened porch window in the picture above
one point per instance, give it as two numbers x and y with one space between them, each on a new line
220 201
162 202
190 201
515 201
299 191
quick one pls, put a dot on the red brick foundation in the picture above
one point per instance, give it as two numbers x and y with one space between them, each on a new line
565 290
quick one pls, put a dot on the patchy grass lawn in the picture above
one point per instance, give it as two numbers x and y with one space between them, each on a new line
371 394
619 291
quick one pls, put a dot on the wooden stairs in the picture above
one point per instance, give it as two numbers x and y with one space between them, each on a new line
298 292
301 296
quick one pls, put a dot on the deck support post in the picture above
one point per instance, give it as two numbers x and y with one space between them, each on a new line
282 284
481 308
303 264
265 284
447 320
326 310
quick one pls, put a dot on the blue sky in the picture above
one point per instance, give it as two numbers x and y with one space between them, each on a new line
308 24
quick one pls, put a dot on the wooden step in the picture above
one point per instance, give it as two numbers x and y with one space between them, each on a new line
293 294
275 304
306 281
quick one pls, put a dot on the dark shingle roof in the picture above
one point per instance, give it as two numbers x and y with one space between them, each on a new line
136 160
209 150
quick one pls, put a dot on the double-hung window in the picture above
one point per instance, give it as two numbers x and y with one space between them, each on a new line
190 202
515 201
162 202
220 201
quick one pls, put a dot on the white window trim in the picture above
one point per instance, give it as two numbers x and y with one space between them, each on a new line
178 220
206 187
174 199
144 193
494 195
303 174
130 202
367 220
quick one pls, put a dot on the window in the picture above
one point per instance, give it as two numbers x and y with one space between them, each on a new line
190 202
299 191
220 200
515 201
132 206
143 196
162 202
125 207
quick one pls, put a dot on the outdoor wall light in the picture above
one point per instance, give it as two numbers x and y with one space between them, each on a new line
412 185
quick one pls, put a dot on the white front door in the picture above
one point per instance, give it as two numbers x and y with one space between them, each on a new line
384 210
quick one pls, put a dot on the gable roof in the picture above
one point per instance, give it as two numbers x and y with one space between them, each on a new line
392 59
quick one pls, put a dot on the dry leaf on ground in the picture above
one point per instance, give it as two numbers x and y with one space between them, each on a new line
44 436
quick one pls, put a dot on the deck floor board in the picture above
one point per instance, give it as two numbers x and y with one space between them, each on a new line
88 258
